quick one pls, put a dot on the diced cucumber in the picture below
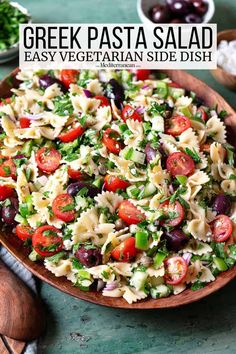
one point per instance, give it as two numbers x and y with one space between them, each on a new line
220 264
34 256
98 182
20 219
141 240
158 259
134 155
27 148
176 92
133 192
185 110
160 291
149 190
138 280
162 89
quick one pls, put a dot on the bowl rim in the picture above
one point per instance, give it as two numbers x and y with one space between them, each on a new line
16 248
25 11
145 19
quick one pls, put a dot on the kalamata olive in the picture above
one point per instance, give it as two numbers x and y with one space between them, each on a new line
178 7
46 80
120 224
163 156
199 6
9 211
74 188
193 18
116 92
222 204
159 14
150 152
175 240
89 257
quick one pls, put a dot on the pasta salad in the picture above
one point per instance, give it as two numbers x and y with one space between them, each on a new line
122 182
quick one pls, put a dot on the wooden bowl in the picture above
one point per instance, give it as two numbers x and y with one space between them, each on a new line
16 248
222 76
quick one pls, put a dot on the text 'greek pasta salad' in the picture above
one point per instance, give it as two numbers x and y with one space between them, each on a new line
121 181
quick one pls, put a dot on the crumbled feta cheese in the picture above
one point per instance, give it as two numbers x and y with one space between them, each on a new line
226 56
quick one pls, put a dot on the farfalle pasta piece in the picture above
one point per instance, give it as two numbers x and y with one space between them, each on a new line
217 152
82 104
102 118
95 87
152 272
85 161
229 186
137 135
177 289
188 139
122 268
103 272
22 188
216 129
124 168
109 200
61 269
27 133
197 247
8 125
132 295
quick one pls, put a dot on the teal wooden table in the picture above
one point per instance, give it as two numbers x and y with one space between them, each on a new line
78 327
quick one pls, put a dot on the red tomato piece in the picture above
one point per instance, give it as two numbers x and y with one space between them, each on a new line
63 207
7 167
203 113
178 124
129 112
109 138
222 228
174 84
24 232
71 134
46 241
142 74
129 213
48 159
125 251
179 163
104 101
176 269
6 192
113 183
5 101
76 174
175 208
69 76
24 122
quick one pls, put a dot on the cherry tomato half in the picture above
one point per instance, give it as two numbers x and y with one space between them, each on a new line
129 213
109 138
179 163
125 251
48 159
203 113
24 232
6 192
71 134
174 210
76 174
63 207
174 84
69 76
7 167
24 122
129 112
46 241
5 101
104 101
176 269
142 74
222 228
113 183
178 124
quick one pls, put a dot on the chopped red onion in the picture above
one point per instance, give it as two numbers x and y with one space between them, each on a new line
187 257
145 87
171 188
19 156
111 286
88 93
42 180
140 110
